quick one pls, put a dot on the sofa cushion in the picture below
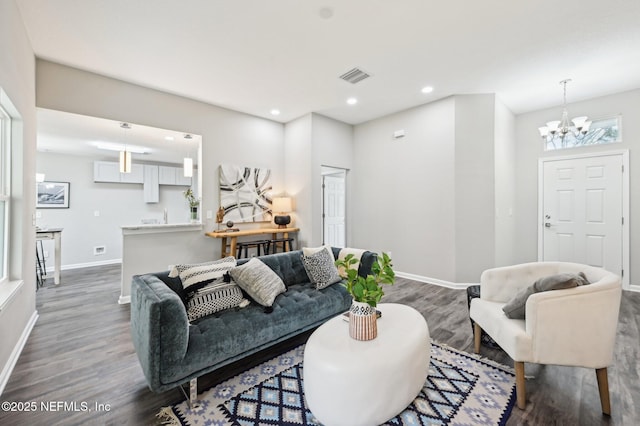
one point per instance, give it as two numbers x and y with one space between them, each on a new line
321 268
232 333
259 281
515 307
287 265
197 275
213 298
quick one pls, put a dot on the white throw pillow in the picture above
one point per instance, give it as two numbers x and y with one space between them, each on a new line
197 275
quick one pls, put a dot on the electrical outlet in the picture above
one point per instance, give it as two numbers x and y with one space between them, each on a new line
98 250
38 215
45 254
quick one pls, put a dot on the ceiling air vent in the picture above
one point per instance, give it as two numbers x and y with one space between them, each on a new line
355 75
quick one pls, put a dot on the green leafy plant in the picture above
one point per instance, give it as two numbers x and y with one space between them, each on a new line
367 289
191 198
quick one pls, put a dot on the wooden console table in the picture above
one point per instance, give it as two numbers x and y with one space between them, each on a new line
231 238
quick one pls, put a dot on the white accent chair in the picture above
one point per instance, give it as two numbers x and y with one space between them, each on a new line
572 327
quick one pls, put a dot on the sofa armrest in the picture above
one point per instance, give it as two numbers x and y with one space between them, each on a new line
575 326
159 327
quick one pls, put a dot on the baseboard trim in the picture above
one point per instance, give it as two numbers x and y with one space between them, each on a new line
634 288
17 350
124 300
50 269
436 281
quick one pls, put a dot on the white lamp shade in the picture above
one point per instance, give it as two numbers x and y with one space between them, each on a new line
579 122
281 205
125 161
553 126
544 131
188 167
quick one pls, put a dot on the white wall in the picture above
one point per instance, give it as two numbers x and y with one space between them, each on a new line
118 204
332 143
474 186
505 185
228 137
403 190
530 149
310 142
298 175
17 71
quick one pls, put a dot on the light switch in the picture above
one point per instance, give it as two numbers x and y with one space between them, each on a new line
209 214
96 213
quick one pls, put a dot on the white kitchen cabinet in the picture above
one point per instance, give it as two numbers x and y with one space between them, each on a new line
109 171
151 184
168 175
181 179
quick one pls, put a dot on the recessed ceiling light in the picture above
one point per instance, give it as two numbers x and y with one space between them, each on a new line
275 112
427 89
352 101
168 138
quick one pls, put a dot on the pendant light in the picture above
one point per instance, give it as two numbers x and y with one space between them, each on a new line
125 156
188 161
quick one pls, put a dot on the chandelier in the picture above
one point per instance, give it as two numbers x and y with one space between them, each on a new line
557 130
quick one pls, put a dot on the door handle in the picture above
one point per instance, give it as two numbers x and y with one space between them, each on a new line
547 225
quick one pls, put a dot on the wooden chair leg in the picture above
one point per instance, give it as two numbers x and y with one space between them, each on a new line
521 395
603 387
477 334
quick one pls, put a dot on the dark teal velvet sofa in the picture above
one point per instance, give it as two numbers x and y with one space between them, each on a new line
173 351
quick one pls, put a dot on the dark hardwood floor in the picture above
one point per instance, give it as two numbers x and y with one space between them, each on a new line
80 352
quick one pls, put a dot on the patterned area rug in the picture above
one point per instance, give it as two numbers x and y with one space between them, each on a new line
461 389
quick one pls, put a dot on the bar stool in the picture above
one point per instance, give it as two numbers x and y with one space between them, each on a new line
246 245
274 242
41 267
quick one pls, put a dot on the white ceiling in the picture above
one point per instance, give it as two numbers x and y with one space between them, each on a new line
67 133
255 55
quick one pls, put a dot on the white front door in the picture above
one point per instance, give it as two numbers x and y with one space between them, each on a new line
334 210
582 208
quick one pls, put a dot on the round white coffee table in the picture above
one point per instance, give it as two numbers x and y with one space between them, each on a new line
350 382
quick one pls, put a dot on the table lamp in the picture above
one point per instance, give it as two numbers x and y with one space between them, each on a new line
280 206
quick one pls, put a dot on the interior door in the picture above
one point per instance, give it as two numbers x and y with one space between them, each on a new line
583 211
334 209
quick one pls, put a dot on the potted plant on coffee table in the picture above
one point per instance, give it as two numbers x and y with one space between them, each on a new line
366 292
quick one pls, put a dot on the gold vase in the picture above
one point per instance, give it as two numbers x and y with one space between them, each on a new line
362 321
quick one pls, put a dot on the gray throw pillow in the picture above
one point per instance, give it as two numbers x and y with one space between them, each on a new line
259 281
515 308
321 269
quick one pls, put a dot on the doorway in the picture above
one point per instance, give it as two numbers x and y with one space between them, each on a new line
583 211
334 183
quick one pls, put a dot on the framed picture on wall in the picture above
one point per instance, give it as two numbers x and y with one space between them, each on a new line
53 195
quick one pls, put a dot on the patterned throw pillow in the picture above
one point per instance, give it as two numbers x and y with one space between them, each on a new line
259 281
213 298
321 269
198 275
